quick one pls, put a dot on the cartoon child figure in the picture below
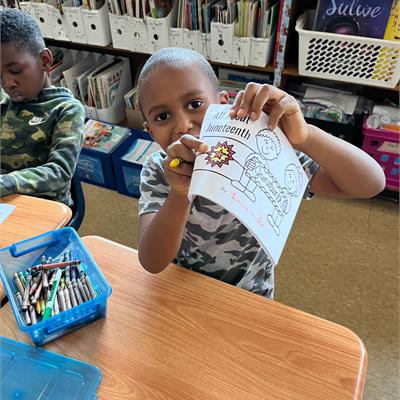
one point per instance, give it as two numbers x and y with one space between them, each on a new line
269 148
293 185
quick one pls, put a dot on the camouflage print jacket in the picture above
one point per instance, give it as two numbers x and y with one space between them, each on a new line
40 144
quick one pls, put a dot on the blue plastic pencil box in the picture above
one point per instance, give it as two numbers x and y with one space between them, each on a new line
23 255
31 373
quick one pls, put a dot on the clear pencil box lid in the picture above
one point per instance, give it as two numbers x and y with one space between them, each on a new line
31 373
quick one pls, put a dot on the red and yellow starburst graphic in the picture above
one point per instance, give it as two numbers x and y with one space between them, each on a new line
220 154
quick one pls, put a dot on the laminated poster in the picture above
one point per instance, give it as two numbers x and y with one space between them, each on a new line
252 172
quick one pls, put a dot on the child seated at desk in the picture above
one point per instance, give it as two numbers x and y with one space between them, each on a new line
175 88
41 125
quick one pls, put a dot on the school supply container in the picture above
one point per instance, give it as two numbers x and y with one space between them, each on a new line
25 254
127 172
347 58
95 165
31 373
384 147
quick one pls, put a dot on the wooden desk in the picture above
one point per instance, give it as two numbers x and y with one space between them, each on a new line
182 336
31 217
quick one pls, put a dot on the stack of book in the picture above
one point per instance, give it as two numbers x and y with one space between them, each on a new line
103 137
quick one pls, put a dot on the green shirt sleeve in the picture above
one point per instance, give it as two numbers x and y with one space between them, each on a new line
53 178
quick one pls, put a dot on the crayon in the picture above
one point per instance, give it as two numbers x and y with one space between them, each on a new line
54 265
176 162
53 293
19 284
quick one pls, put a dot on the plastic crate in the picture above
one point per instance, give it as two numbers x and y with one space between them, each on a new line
22 255
32 373
347 58
384 147
127 174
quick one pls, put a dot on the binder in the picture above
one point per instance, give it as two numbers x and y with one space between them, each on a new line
128 33
26 6
175 37
222 42
43 19
59 22
241 50
261 51
75 26
205 45
191 39
158 30
97 26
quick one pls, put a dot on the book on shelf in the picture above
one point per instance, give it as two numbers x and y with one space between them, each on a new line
392 31
103 136
253 173
367 18
140 149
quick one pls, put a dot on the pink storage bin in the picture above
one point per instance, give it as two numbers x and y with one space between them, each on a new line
384 147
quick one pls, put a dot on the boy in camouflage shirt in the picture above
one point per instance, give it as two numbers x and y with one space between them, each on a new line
175 88
41 125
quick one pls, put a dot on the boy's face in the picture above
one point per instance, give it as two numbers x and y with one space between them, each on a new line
175 100
23 76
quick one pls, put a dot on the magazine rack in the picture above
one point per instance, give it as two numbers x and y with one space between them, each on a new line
347 58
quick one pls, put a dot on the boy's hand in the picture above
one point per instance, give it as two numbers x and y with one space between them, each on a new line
277 104
179 177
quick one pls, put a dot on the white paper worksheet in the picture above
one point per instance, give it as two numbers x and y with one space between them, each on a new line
251 171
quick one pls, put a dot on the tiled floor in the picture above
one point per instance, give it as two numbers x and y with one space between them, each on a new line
341 262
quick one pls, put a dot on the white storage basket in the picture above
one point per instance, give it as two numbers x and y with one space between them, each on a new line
346 58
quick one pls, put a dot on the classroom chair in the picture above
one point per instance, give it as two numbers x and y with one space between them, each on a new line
78 209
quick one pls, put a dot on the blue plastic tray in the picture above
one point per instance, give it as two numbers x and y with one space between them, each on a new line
20 256
30 373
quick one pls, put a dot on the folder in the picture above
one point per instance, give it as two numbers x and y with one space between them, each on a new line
175 37
158 30
205 45
191 39
128 33
75 26
241 50
59 23
222 42
43 19
261 51
97 26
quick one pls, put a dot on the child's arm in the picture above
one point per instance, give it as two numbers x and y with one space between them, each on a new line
345 170
160 233
56 173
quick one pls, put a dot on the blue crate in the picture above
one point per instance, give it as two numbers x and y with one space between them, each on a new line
96 167
127 174
25 254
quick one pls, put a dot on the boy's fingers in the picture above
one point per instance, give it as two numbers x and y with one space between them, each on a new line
236 104
193 143
247 99
260 100
277 110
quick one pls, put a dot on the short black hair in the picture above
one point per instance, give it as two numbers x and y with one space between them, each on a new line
176 56
20 29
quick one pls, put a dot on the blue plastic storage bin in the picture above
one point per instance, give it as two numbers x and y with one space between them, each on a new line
30 373
25 254
96 167
127 174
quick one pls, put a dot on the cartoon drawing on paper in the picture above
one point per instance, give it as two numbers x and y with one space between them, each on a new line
269 148
256 174
280 196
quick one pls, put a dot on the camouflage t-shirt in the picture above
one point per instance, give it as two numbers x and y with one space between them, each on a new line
40 142
214 242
